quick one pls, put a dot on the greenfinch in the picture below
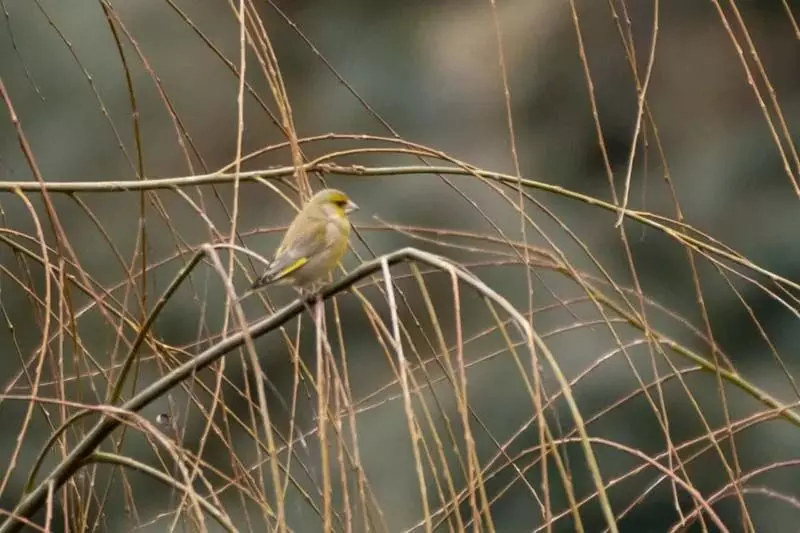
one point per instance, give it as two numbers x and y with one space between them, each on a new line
313 244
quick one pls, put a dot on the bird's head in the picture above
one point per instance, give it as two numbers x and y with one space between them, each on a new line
333 202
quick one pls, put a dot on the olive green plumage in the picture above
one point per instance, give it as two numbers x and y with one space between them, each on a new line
314 243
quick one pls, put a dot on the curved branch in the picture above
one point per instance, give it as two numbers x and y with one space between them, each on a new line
320 165
67 467
121 460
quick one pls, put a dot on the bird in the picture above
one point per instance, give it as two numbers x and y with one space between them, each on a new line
313 244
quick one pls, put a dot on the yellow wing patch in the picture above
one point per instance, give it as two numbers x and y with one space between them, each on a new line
291 268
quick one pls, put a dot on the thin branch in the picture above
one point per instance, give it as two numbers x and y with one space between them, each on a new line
31 503
121 460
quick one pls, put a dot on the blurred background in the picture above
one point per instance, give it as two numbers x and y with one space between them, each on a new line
429 71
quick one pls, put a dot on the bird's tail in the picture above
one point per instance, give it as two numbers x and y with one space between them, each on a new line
262 281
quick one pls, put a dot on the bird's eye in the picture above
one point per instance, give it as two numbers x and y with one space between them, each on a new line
340 203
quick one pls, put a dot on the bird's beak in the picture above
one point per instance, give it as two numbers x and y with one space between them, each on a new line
350 207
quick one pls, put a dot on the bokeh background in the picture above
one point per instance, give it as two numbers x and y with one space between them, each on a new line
430 70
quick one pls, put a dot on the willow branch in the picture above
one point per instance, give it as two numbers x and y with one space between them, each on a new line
121 460
321 165
33 501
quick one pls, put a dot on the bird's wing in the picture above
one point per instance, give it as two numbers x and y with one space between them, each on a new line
294 253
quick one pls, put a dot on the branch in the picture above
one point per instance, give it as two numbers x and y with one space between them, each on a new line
716 253
31 503
122 461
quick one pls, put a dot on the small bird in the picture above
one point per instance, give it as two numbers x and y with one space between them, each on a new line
313 244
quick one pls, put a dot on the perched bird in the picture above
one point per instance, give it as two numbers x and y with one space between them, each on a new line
313 244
